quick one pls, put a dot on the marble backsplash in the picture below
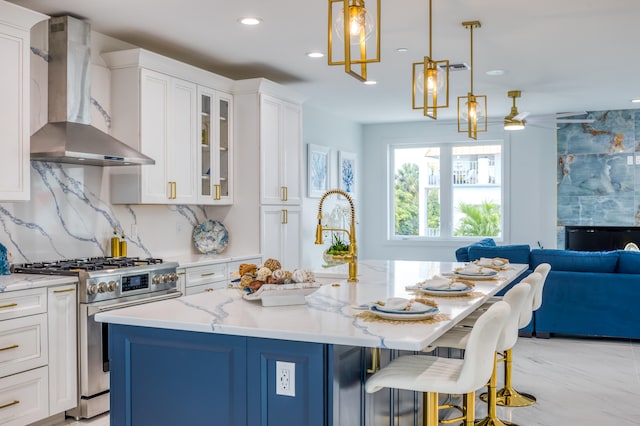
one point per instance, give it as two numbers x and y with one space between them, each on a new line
599 171
70 215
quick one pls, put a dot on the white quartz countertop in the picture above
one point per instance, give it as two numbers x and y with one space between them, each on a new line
15 282
329 315
190 260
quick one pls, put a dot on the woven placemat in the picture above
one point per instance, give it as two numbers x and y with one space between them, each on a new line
371 317
469 295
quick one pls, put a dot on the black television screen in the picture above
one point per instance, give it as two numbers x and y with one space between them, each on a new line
600 238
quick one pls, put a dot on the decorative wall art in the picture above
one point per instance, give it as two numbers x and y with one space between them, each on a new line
347 172
317 170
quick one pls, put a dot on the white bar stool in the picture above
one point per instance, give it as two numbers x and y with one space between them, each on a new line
433 375
518 298
508 396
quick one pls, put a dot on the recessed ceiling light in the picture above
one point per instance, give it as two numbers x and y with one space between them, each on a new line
635 101
315 54
495 72
250 21
370 82
402 49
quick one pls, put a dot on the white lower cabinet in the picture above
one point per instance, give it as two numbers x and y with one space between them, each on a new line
210 277
23 397
280 234
63 381
205 278
38 353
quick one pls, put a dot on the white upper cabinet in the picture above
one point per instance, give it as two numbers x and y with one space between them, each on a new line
215 153
15 165
162 108
280 151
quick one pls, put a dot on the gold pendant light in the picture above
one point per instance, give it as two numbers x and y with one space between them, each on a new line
472 109
359 29
430 78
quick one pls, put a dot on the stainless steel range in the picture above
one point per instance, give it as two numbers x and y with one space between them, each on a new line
105 283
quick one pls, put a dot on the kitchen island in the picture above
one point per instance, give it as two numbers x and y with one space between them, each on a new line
215 358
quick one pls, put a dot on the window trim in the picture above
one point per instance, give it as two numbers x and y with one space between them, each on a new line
445 170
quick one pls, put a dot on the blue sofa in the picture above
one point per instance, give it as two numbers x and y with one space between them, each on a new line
585 294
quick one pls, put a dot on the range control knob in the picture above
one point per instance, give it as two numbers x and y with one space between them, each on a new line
173 277
102 287
165 278
112 286
157 279
92 289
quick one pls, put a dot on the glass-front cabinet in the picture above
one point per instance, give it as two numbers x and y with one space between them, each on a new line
215 160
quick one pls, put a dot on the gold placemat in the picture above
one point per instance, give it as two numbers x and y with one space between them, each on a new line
371 317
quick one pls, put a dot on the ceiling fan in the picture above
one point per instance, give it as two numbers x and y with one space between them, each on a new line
516 120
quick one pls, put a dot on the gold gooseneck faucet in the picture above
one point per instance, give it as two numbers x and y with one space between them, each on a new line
352 256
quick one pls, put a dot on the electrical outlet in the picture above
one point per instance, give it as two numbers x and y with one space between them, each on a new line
285 378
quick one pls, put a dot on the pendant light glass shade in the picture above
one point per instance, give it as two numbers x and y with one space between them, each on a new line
472 109
430 82
362 46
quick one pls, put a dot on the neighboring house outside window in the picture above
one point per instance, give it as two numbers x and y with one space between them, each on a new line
446 191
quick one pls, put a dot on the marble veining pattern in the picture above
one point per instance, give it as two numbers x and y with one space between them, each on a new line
327 317
598 172
70 215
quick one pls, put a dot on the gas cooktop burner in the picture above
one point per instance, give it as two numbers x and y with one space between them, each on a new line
74 266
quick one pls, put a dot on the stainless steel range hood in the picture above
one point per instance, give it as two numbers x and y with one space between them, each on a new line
69 137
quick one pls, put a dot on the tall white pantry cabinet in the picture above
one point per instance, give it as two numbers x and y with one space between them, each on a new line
15 164
269 152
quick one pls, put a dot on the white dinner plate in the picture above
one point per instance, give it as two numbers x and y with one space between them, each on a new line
488 275
405 315
446 292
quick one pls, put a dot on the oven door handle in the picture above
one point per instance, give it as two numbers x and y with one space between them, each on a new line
91 311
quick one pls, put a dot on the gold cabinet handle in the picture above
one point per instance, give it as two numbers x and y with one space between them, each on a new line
207 274
10 305
285 216
170 188
66 290
175 190
182 273
217 188
9 404
9 347
208 290
285 193
375 360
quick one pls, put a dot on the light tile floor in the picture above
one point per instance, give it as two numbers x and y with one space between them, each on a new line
578 382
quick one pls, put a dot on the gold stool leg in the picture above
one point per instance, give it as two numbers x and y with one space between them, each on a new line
508 396
469 408
492 418
430 409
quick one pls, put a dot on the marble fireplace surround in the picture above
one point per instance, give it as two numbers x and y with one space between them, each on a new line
598 171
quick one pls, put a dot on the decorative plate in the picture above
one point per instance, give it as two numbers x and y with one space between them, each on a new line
211 237
405 316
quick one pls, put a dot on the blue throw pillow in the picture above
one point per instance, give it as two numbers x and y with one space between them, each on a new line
578 261
462 254
628 262
515 253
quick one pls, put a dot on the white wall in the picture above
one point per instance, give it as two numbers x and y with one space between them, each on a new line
324 128
530 192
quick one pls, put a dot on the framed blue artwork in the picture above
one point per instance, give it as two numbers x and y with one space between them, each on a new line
317 170
347 172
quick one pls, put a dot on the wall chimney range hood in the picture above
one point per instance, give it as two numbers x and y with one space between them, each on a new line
68 137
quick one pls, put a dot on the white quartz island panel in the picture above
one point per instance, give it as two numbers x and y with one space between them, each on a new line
328 316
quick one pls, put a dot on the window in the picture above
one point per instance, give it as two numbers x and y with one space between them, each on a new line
443 191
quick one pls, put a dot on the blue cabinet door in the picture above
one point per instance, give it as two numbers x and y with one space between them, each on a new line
309 406
167 377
